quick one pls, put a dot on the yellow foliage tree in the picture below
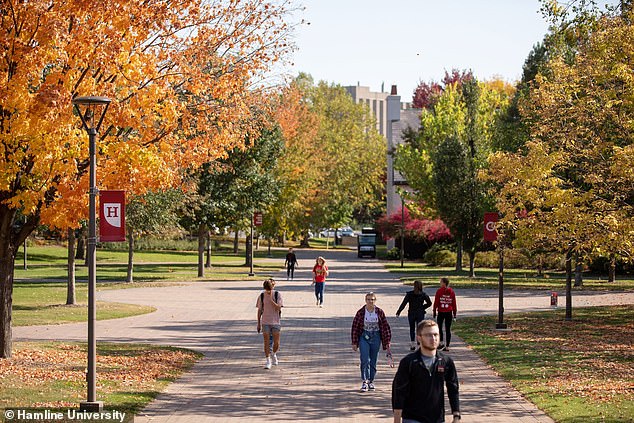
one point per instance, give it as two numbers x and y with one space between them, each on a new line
574 184
178 75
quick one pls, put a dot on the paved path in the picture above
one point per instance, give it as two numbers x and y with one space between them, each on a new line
318 376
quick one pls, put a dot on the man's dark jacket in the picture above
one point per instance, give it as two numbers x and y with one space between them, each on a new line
420 394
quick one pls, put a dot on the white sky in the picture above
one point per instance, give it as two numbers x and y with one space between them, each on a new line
405 41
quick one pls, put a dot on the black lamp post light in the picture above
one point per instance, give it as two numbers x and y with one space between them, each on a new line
91 111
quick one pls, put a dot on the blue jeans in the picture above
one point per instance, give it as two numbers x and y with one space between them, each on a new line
319 291
369 345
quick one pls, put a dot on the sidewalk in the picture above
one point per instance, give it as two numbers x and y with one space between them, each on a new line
318 376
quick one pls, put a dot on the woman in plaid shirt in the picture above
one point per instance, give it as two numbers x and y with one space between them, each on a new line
370 330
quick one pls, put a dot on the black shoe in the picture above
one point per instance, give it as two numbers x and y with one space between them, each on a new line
412 348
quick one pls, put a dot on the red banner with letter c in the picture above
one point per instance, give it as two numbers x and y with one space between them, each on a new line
490 226
111 216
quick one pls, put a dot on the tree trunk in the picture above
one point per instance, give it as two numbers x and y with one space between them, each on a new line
80 253
249 247
269 249
208 251
235 242
578 272
7 263
12 235
569 285
540 265
472 255
130 275
612 268
70 289
202 235
459 255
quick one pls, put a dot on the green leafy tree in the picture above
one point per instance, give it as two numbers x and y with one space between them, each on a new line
154 213
465 114
231 189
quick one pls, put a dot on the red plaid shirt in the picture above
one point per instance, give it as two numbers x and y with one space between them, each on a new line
384 327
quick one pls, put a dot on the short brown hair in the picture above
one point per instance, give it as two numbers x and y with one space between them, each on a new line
268 284
427 323
445 280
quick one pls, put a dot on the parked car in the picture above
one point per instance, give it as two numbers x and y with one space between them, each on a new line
346 231
327 233
330 233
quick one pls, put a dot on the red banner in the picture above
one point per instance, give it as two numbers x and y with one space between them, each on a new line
257 218
111 216
490 224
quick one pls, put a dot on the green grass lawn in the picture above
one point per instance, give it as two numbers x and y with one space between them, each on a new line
579 371
50 263
45 304
39 295
513 278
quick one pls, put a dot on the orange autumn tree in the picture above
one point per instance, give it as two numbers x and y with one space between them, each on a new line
178 74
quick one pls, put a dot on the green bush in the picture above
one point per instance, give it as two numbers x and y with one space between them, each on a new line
516 258
439 255
393 254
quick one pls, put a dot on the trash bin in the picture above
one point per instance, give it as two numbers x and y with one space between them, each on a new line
553 299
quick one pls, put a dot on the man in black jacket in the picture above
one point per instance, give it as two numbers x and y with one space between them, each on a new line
418 389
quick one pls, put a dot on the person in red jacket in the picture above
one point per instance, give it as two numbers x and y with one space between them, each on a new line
445 307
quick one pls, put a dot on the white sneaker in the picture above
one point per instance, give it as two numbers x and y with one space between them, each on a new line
317 303
268 363
364 387
275 360
321 306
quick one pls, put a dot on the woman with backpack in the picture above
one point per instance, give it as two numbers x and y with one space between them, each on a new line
269 305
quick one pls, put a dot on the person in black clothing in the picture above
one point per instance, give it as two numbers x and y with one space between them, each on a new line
290 263
418 389
418 301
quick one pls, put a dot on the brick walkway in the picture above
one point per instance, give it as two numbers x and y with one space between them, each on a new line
318 376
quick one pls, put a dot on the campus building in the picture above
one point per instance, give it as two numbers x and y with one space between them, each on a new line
392 117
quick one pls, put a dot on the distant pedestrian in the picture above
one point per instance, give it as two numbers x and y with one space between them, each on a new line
320 271
271 334
446 307
418 302
269 305
370 330
290 263
418 389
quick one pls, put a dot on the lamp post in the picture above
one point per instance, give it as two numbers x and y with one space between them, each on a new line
88 109
402 228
